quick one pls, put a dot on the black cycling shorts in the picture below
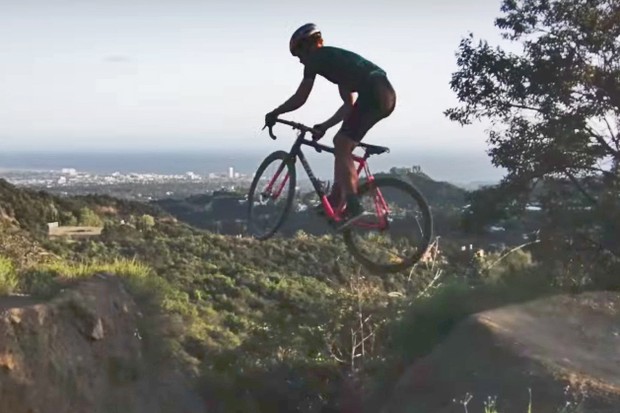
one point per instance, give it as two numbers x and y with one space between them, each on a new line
374 102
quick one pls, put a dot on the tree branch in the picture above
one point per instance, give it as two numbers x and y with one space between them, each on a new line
614 138
519 247
430 285
600 246
333 354
580 187
599 170
516 106
615 153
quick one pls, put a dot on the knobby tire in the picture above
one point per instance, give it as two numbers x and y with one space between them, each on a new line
290 194
383 182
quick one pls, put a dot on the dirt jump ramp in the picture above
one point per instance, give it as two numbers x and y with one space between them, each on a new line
82 351
561 349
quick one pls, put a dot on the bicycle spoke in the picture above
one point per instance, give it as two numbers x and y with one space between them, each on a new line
396 231
268 208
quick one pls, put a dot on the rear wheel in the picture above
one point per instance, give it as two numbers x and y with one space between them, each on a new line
397 230
271 195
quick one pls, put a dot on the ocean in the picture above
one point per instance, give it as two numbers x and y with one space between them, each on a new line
460 168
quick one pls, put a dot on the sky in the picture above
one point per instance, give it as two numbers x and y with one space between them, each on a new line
200 75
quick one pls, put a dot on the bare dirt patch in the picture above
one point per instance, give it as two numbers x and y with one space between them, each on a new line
83 351
548 345
74 232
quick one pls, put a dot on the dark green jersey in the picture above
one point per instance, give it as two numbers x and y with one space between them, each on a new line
340 66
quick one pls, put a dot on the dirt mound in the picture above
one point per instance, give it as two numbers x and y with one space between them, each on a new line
563 348
83 352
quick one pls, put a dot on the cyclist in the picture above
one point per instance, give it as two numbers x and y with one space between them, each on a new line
352 74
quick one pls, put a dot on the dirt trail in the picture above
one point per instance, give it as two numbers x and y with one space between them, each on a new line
544 345
83 351
16 301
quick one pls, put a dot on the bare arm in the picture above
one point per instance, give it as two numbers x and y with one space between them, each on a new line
298 99
349 99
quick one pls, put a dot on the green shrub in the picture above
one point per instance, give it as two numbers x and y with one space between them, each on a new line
89 218
8 276
40 282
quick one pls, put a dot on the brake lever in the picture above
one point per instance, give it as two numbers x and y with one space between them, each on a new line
270 132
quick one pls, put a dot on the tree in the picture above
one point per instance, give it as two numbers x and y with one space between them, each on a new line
146 222
554 110
67 218
89 218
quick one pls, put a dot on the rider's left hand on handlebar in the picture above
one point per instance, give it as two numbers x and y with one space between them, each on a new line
320 131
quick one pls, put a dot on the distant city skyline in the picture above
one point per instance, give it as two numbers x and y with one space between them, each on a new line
452 165
158 75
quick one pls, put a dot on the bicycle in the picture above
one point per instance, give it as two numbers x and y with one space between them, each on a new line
273 194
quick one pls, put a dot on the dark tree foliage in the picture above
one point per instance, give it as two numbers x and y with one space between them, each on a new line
554 111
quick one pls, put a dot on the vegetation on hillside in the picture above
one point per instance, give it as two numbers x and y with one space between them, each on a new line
241 313
294 323
555 111
226 212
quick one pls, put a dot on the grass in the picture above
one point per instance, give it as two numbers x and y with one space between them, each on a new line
490 405
8 276
121 267
45 280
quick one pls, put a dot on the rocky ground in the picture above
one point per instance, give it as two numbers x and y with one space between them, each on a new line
82 351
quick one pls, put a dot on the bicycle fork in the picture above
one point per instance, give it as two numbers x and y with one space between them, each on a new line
267 191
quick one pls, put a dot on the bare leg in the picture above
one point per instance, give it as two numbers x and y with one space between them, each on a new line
344 167
335 195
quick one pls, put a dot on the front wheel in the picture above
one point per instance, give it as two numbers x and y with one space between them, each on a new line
397 229
271 195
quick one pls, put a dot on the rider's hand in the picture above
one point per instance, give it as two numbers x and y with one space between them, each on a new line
270 118
320 131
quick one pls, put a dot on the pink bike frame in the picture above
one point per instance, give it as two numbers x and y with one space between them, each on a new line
381 206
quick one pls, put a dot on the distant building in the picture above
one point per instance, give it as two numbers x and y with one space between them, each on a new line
231 172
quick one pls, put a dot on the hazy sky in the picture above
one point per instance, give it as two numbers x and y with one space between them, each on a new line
185 74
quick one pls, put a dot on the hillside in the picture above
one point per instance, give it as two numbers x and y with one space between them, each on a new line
240 313
32 210
289 324
439 194
226 212
114 306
